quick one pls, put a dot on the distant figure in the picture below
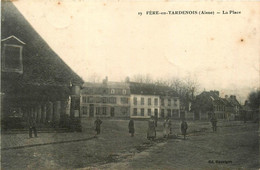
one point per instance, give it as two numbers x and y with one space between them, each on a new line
32 126
155 120
167 127
166 130
131 127
244 116
214 122
98 123
184 127
151 133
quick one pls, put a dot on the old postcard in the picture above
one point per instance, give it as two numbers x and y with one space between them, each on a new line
130 84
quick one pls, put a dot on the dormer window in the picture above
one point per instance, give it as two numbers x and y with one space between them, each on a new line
112 91
12 58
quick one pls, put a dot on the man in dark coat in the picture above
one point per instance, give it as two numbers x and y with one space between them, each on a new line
98 123
32 126
184 127
214 122
155 120
131 127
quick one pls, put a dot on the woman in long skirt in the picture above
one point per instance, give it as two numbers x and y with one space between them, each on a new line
151 133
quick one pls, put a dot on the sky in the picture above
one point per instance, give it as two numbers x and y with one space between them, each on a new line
110 39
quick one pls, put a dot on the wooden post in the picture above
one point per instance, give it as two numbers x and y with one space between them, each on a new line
44 108
39 113
49 112
57 112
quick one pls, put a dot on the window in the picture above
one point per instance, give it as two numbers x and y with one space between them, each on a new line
135 100
142 101
124 100
169 102
124 91
112 91
84 99
104 100
135 112
149 101
162 102
149 112
169 112
175 112
85 110
104 111
90 99
156 102
162 112
175 102
97 110
142 112
98 99
112 100
12 58
124 110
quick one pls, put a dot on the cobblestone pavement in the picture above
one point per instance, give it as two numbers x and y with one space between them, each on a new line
74 150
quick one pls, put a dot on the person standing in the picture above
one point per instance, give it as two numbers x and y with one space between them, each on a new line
32 126
151 133
98 123
214 122
165 132
184 127
167 128
155 120
131 127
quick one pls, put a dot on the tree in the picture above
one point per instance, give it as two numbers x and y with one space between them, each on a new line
254 99
140 78
94 78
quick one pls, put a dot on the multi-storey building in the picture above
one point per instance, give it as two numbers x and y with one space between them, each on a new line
107 99
152 100
170 106
210 102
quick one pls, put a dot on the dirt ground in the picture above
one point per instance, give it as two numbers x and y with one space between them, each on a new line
235 145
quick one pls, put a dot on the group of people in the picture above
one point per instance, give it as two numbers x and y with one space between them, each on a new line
152 124
167 128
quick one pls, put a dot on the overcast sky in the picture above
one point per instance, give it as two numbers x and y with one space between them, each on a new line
111 39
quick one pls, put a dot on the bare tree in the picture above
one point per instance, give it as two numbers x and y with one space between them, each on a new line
140 78
94 78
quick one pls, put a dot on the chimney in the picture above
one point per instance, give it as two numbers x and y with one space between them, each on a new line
233 97
105 80
127 79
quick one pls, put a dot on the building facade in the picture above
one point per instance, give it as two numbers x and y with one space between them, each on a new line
35 82
144 106
170 107
210 102
107 99
153 100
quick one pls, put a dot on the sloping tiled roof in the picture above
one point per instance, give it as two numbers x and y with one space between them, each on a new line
212 96
227 103
150 89
121 85
41 65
